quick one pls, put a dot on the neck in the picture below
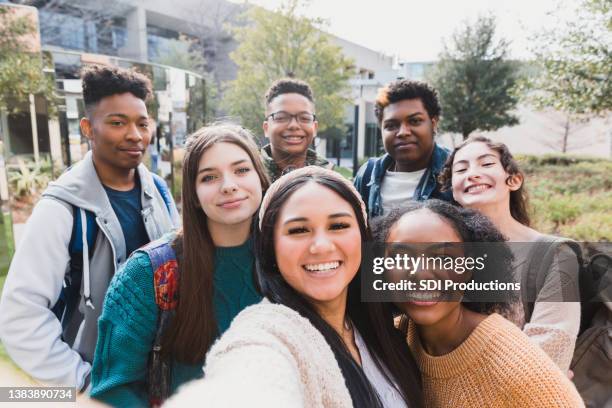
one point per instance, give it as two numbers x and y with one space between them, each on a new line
504 221
284 160
409 166
116 178
333 312
224 235
446 335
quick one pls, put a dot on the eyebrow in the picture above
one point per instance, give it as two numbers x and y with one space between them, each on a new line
231 164
124 116
442 245
482 156
409 116
301 219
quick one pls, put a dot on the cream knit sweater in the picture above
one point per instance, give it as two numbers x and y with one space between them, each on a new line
269 357
496 366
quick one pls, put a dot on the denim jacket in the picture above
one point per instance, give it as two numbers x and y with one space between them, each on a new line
427 188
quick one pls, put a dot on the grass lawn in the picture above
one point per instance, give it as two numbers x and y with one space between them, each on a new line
570 196
346 173
6 242
3 356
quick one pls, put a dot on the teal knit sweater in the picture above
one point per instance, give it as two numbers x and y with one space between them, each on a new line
128 322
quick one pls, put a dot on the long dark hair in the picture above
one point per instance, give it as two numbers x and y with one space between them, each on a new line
519 202
375 325
194 327
472 227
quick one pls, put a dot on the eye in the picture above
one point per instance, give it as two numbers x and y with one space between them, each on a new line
207 178
391 126
488 164
339 226
144 125
243 170
460 170
416 121
116 123
297 230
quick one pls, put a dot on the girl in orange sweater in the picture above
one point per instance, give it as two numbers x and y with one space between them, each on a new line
467 353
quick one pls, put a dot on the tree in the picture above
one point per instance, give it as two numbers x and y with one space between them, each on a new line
21 63
575 63
475 80
281 44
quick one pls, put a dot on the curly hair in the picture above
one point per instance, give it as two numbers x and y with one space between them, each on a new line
288 85
100 81
473 228
519 202
406 89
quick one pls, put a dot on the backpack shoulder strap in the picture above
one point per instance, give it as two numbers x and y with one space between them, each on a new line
162 187
165 280
365 180
540 257
69 295
76 241
165 273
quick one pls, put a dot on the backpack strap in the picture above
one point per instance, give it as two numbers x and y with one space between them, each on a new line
165 280
83 236
365 181
162 187
540 259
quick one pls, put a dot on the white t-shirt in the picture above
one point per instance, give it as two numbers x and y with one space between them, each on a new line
388 394
398 187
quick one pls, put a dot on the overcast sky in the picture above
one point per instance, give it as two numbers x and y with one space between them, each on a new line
414 30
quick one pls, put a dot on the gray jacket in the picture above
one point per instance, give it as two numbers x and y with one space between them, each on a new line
30 332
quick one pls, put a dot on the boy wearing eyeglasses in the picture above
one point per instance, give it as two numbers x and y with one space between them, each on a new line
291 126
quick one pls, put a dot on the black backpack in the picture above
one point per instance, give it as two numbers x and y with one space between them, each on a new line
592 359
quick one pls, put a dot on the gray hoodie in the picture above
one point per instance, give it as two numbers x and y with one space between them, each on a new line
30 332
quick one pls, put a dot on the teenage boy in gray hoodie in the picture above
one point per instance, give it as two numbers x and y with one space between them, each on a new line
49 312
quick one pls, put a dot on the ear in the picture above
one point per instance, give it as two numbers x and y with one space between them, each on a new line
86 128
264 126
434 124
515 181
315 127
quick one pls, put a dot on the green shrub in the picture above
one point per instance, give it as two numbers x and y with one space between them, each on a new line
562 209
346 173
570 196
595 226
28 178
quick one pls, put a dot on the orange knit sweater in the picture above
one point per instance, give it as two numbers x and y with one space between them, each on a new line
496 366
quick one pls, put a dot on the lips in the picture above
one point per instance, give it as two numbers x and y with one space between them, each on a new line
233 203
477 188
405 145
293 139
427 297
322 269
132 151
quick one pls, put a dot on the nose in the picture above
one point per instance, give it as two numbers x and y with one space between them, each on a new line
404 129
321 244
472 173
293 122
229 185
133 133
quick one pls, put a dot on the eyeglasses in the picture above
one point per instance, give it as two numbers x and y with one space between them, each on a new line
282 117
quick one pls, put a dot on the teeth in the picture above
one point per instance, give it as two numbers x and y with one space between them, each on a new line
322 267
293 138
426 295
477 189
